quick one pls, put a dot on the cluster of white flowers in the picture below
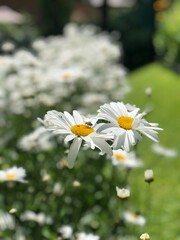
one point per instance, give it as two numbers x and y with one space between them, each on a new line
119 125
85 236
66 232
38 140
40 218
83 62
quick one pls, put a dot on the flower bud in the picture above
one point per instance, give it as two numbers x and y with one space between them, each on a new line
149 175
145 236
123 193
148 91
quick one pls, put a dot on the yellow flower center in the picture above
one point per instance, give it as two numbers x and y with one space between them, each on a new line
134 216
125 122
63 163
67 76
10 176
119 156
81 130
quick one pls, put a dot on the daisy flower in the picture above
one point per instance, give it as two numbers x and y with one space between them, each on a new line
125 159
134 218
162 151
127 126
77 129
13 174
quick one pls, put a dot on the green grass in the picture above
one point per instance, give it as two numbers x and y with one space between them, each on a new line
165 191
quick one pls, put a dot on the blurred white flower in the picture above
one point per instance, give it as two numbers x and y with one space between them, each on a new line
127 126
85 236
126 159
60 67
40 218
13 174
113 3
145 236
134 218
8 46
162 151
76 183
58 189
148 91
6 221
75 128
123 193
149 175
93 99
38 140
12 210
66 231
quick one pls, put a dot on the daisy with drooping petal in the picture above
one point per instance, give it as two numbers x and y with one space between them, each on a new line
77 130
13 174
125 159
127 126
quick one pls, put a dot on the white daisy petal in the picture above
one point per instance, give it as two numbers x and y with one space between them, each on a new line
61 131
126 142
69 117
69 138
77 117
118 142
73 152
108 118
134 112
102 145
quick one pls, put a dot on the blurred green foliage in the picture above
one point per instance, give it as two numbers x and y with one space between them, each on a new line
136 27
165 191
21 35
167 37
55 15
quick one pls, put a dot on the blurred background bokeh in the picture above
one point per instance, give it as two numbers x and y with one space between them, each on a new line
136 21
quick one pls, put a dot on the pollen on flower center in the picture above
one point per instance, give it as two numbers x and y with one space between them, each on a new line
10 176
119 156
81 130
125 122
